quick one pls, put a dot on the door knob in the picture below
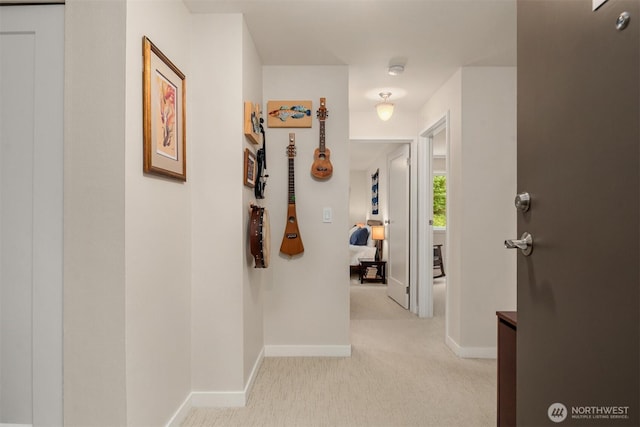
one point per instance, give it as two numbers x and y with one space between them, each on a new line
525 244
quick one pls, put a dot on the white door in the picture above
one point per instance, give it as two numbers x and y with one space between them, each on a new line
398 227
31 182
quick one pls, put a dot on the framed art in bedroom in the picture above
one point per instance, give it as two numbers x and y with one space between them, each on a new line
163 115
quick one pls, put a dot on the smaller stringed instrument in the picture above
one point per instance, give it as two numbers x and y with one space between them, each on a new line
259 236
291 241
322 167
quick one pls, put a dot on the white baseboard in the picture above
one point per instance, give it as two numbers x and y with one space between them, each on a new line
16 425
216 399
472 352
181 413
307 350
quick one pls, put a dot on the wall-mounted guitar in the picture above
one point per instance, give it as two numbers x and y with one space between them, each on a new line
259 236
261 176
291 242
322 167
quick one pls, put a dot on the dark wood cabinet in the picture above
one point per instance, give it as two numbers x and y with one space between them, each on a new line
507 335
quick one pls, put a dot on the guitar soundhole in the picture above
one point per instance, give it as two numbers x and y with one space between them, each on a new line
292 219
322 156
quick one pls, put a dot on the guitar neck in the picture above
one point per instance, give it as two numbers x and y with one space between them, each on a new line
292 183
322 138
292 179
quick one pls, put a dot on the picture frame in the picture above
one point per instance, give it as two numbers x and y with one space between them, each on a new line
289 114
374 192
164 115
252 115
249 168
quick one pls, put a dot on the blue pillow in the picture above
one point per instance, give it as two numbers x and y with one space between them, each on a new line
359 237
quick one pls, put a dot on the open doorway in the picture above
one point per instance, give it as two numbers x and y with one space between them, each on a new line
433 228
370 166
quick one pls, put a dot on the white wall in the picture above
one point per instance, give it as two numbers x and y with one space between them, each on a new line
489 186
94 220
218 211
481 102
254 279
359 196
157 235
306 305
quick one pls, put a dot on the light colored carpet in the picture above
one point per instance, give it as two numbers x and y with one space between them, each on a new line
400 374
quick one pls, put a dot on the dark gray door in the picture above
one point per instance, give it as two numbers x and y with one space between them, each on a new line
579 157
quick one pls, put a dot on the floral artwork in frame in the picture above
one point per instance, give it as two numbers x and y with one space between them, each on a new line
164 115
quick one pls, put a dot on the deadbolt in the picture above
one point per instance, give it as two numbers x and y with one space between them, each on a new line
523 201
623 21
525 244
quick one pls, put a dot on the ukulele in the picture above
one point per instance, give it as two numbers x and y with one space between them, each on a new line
321 167
291 241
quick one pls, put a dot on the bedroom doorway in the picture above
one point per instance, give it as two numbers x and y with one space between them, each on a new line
433 224
366 158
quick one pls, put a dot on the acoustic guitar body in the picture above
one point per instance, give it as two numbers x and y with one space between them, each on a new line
322 167
291 241
259 236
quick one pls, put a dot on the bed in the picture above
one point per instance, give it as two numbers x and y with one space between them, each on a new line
361 246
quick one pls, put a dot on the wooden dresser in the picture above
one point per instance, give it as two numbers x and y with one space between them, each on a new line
507 331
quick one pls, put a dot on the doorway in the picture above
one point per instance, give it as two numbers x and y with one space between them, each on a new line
367 156
433 161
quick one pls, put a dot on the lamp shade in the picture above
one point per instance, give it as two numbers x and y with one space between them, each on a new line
377 232
384 108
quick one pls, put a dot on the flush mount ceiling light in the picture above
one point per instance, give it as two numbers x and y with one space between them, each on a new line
385 108
396 70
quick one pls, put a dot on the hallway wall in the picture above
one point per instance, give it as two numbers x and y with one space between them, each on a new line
307 302
481 102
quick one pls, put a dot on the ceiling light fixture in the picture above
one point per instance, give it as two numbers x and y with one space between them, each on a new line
396 70
385 108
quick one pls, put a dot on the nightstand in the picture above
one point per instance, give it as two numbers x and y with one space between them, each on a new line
367 264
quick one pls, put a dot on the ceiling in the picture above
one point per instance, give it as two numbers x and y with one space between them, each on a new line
432 38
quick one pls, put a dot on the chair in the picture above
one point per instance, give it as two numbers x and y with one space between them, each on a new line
438 263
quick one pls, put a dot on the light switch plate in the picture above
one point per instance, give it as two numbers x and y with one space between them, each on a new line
327 215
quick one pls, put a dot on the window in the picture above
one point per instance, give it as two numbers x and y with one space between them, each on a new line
440 201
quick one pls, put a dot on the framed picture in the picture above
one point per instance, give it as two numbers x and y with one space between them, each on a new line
289 114
249 168
164 115
252 117
374 192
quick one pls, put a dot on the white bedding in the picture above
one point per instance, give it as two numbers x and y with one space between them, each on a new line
356 251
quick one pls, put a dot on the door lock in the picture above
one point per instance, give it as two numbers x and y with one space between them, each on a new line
525 244
523 201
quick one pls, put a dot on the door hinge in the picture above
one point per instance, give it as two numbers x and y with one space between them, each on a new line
408 161
407 288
